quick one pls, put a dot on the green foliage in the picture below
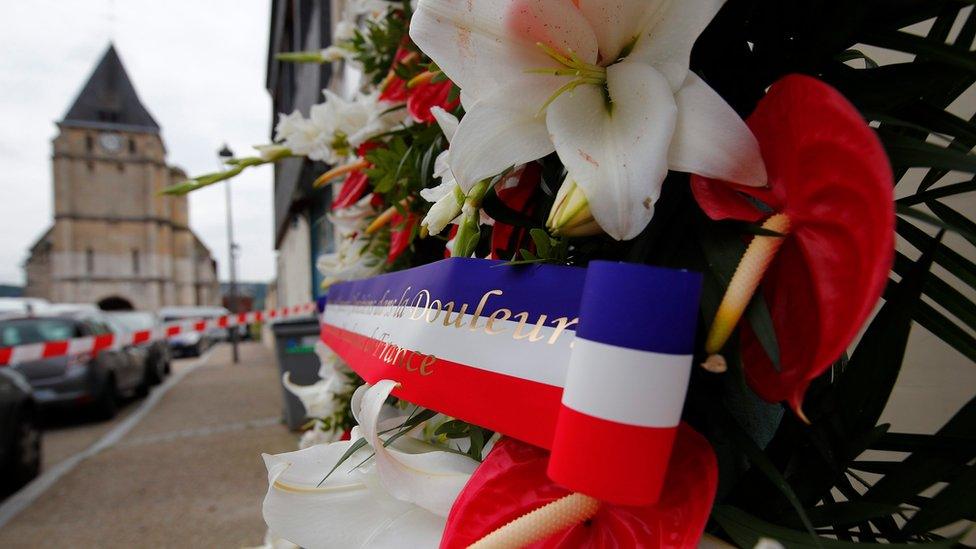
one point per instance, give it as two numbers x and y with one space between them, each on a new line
813 485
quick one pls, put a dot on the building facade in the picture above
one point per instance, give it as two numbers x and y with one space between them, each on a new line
301 231
116 240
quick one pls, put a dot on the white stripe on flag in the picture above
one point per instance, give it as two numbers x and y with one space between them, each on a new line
629 386
500 352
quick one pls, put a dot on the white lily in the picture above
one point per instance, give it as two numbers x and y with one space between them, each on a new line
336 127
447 196
397 498
604 84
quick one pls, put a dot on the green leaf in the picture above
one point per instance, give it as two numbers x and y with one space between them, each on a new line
746 530
908 153
864 387
952 503
346 455
954 220
541 239
761 322
940 192
947 297
931 50
959 266
755 455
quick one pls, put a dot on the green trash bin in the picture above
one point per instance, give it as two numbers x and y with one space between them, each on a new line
295 346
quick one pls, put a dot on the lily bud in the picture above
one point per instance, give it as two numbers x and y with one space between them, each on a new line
272 153
469 227
570 214
444 210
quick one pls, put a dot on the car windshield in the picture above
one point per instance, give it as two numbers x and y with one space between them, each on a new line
35 330
133 321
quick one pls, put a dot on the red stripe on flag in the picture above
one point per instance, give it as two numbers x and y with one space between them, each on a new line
460 391
586 457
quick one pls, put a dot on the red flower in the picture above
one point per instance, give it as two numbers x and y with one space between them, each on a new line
402 228
353 188
395 88
508 237
512 481
829 176
426 95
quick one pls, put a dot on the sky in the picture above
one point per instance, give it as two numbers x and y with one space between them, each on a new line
198 66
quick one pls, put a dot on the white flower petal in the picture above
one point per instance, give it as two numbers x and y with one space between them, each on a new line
409 469
318 398
446 121
711 140
499 132
344 511
481 43
667 44
617 156
618 23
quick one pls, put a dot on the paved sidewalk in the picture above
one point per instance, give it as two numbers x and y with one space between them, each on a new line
188 475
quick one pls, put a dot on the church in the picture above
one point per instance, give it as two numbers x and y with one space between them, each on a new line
116 241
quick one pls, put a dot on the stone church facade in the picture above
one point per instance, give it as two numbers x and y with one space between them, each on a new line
116 241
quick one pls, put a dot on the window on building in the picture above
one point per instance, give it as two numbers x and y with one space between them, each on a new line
135 261
132 146
90 261
89 143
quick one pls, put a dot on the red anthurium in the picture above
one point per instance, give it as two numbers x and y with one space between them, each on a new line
830 191
512 481
515 192
427 94
402 227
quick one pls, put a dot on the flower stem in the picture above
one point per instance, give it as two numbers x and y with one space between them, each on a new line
469 229
752 266
541 523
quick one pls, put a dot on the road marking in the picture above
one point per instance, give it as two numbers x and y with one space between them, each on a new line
33 490
202 431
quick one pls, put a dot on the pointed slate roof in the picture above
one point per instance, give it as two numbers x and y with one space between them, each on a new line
109 101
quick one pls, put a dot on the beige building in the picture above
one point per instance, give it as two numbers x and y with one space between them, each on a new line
115 240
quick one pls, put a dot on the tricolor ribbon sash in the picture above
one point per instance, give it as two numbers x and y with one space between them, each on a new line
592 363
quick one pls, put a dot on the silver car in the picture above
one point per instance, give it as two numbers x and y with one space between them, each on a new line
81 380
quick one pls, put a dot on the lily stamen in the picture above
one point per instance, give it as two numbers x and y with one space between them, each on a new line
339 171
580 71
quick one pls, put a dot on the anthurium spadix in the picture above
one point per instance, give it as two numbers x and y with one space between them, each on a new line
386 494
605 84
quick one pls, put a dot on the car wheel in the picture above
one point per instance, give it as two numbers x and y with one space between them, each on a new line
107 404
154 373
25 451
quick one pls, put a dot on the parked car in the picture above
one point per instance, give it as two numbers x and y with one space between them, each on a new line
157 365
22 305
98 382
20 436
193 343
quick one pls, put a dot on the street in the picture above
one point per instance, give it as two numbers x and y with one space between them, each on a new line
181 468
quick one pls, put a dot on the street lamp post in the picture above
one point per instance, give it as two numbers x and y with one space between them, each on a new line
226 154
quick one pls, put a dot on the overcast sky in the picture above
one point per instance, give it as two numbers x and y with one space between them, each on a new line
198 67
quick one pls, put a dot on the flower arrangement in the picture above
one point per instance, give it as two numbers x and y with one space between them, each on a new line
744 139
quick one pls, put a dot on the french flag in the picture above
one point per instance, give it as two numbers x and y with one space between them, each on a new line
626 381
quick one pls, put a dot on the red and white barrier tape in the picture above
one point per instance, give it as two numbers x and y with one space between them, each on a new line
94 344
